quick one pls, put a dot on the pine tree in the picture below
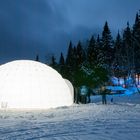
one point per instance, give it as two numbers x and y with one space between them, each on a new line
137 18
69 58
70 63
80 54
91 52
62 67
136 42
100 52
128 49
53 63
107 45
61 60
75 63
98 40
119 61
106 37
37 58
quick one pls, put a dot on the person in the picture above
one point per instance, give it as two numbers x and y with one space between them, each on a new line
90 92
112 100
83 93
103 93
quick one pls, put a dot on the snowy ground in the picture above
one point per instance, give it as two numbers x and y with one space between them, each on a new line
115 121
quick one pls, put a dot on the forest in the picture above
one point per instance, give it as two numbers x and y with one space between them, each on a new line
94 63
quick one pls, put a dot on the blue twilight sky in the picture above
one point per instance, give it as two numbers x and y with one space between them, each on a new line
45 27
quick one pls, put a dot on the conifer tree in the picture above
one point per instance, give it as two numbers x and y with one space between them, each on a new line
69 65
107 46
74 56
119 61
61 60
62 67
128 49
53 63
91 52
98 42
80 54
100 52
37 58
136 42
69 57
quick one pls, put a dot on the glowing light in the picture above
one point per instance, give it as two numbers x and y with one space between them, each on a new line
138 86
26 84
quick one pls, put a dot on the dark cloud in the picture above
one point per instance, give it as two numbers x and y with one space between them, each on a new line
28 27
45 27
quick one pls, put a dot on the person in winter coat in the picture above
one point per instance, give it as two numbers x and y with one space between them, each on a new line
104 92
83 94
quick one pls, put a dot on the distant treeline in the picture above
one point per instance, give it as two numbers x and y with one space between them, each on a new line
93 63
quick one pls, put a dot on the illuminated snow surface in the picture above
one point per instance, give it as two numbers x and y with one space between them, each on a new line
26 84
115 121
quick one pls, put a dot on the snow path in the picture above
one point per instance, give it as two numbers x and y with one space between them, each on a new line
79 122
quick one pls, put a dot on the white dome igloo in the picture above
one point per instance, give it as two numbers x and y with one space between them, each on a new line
70 88
26 84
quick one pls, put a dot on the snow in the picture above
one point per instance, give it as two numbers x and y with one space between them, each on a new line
30 84
119 120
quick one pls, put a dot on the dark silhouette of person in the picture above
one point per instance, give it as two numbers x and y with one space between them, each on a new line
83 94
90 92
104 92
111 100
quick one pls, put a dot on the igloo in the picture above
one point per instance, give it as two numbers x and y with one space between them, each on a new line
26 84
70 88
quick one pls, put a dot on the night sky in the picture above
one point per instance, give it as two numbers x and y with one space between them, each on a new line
45 27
